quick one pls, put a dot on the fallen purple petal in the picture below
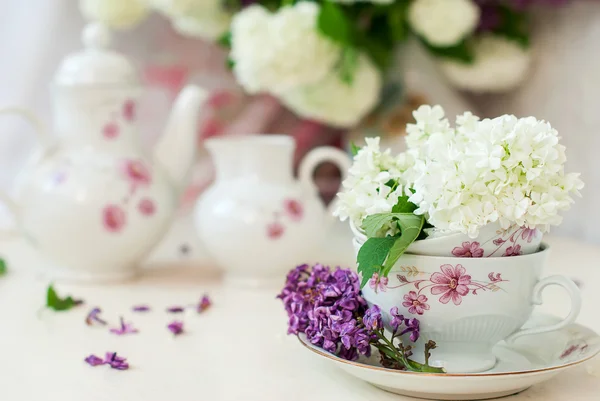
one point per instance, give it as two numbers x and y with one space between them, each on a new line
176 327
175 309
93 317
93 360
204 304
126 328
141 308
116 362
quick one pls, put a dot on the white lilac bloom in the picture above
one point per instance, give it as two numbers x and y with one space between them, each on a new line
443 23
277 52
364 190
116 14
506 170
335 102
500 65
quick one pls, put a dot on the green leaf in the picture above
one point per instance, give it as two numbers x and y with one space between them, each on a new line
334 24
53 301
354 149
347 65
396 19
514 25
404 205
371 256
411 226
2 267
374 223
379 53
230 63
225 40
461 52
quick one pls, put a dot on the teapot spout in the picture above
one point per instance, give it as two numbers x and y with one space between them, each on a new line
176 150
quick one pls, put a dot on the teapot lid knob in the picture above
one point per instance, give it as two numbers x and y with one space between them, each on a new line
96 36
97 64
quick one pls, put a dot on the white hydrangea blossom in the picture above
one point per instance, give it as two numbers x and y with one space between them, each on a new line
500 65
364 190
335 102
204 19
117 14
277 52
443 23
505 170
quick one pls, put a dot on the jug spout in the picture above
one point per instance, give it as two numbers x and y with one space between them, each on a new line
176 149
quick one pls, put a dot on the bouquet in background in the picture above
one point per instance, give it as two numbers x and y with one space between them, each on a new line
327 61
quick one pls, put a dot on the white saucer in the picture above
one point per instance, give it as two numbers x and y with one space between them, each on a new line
530 360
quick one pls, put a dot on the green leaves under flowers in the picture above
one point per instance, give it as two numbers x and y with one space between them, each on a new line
460 52
225 40
347 65
371 256
380 254
334 24
354 149
514 25
53 301
2 267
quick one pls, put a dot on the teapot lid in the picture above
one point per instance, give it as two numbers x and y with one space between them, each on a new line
96 64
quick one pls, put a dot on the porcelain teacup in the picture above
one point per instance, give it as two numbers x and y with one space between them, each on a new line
467 305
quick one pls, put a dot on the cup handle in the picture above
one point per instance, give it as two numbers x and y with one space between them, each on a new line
317 156
574 294
43 139
40 130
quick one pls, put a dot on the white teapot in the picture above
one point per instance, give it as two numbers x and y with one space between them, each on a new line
256 220
91 201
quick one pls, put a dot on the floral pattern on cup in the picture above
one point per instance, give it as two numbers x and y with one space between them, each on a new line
129 110
451 283
511 237
114 218
146 207
292 209
110 130
275 230
468 250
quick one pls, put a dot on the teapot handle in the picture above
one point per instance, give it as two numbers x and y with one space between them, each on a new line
42 137
317 156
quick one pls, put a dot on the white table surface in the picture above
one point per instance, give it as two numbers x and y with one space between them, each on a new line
238 350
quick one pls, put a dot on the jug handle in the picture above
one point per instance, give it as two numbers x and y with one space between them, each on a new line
42 137
317 156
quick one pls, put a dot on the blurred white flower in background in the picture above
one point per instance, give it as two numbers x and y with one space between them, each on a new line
276 52
335 102
500 64
204 19
116 14
443 23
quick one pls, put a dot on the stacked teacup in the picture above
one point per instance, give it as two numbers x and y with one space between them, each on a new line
450 232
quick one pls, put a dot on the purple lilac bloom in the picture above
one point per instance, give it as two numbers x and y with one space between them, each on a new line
397 319
372 318
141 308
175 309
115 361
176 327
93 317
125 328
93 360
204 304
412 327
326 305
